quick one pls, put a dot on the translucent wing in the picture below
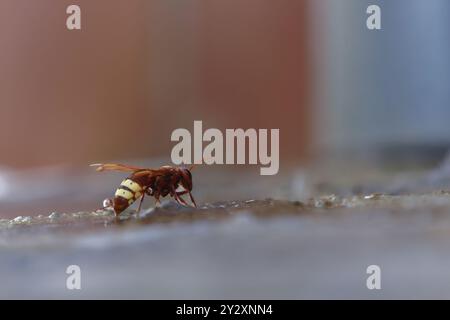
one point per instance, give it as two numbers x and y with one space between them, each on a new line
115 167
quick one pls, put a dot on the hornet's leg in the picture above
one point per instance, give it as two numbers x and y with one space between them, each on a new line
180 200
192 199
177 197
140 203
179 194
156 195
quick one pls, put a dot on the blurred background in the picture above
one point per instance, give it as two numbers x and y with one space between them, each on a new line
385 89
139 69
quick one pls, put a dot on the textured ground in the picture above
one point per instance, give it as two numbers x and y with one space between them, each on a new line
248 249
316 243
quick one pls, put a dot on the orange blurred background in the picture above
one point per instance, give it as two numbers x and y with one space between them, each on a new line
140 69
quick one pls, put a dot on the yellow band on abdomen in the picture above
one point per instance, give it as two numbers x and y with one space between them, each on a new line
130 184
124 194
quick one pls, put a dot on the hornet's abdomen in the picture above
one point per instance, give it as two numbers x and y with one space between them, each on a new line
128 192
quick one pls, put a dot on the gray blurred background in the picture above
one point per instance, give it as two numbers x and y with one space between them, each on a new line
382 87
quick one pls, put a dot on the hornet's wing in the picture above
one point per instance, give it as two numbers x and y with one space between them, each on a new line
115 167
